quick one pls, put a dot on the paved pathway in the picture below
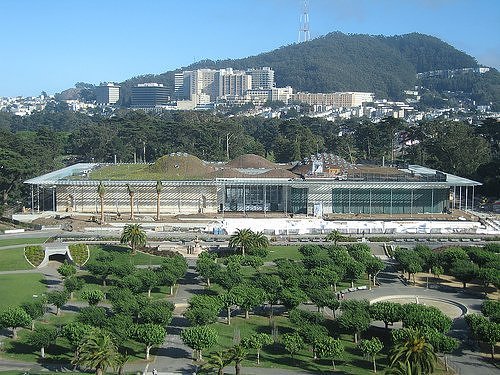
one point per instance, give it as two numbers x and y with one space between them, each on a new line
464 360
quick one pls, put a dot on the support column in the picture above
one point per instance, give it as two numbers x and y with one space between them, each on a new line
460 199
411 203
391 204
349 200
32 200
432 200
370 202
244 199
472 202
38 198
265 196
466 191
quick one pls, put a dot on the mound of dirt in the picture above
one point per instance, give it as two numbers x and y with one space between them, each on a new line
181 166
251 161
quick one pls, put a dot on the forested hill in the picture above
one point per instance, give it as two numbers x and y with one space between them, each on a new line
340 62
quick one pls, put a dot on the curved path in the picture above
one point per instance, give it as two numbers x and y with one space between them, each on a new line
465 360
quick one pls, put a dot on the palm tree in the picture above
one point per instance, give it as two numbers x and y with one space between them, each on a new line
243 238
218 360
413 354
97 351
260 240
159 187
334 236
134 235
101 191
131 195
238 354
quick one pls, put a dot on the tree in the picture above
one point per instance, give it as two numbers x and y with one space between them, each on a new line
66 270
14 317
93 315
491 309
243 238
312 334
131 193
35 309
416 316
75 332
371 347
134 235
58 298
171 270
292 342
218 361
465 271
97 351
72 284
334 236
489 332
93 296
388 312
323 298
441 343
150 335
101 192
330 348
158 312
373 267
206 267
199 338
354 321
353 271
437 271
101 267
42 337
238 354
257 341
413 352
249 297
228 300
159 188
292 297
149 279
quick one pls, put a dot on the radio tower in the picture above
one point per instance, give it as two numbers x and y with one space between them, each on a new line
304 34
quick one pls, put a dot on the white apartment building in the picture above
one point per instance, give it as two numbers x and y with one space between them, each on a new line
107 93
283 94
262 78
335 99
233 82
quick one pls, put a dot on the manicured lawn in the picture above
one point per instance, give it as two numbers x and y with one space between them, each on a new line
18 288
288 252
275 356
138 259
13 260
22 241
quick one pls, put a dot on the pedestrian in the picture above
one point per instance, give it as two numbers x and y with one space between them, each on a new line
155 371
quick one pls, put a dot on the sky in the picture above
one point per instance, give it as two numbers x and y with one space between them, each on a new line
50 45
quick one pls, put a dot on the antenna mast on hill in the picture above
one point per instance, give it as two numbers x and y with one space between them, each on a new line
304 33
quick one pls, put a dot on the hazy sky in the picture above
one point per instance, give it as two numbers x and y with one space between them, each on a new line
52 44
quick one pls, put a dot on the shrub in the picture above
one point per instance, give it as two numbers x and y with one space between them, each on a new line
34 254
80 253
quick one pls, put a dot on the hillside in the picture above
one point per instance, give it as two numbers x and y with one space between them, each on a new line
340 62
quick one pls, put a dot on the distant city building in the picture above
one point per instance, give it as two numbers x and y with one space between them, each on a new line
233 82
262 78
283 94
107 93
149 95
335 99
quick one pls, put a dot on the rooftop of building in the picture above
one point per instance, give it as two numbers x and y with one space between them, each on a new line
182 167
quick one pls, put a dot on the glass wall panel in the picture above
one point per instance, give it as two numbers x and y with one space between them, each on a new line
255 198
298 200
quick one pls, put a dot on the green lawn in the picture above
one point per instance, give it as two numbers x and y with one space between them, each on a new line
275 356
289 252
22 241
138 259
18 288
13 260
139 172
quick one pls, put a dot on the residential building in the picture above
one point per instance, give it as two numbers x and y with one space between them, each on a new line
149 95
262 78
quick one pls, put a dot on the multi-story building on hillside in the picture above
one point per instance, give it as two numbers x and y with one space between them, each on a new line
107 93
335 99
262 78
149 95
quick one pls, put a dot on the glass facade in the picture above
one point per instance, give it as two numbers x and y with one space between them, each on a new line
239 198
298 200
389 201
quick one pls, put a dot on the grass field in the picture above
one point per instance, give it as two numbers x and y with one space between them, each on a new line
13 260
133 172
18 288
139 259
289 252
22 241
